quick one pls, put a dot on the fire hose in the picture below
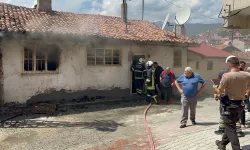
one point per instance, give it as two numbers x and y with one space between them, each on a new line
148 128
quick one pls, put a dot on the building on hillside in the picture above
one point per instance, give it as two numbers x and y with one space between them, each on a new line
236 14
207 61
50 55
227 48
241 45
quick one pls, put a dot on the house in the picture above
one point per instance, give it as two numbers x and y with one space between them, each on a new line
236 14
241 45
52 55
227 48
207 61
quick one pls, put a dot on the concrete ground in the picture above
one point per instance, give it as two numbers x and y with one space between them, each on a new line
116 129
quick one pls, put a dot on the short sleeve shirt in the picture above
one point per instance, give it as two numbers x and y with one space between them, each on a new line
235 84
190 85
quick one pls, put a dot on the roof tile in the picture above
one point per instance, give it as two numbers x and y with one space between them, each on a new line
21 19
209 51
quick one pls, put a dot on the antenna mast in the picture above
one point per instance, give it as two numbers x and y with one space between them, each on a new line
142 10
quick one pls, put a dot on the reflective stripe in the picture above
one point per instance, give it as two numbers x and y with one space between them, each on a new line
138 71
148 95
147 80
139 78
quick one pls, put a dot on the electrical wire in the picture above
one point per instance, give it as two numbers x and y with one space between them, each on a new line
192 11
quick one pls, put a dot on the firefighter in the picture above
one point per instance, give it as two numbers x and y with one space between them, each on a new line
150 83
138 70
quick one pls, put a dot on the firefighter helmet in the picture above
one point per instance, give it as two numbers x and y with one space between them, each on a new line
141 60
149 63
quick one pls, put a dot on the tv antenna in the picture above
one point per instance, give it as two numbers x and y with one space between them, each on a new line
165 22
181 18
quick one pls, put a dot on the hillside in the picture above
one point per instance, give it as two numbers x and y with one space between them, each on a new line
193 29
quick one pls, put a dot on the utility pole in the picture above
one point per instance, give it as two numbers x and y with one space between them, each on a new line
124 7
142 10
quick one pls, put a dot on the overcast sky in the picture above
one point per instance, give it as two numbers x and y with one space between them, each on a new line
155 10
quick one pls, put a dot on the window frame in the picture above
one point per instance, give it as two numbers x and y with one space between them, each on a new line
104 56
197 65
34 60
180 58
212 66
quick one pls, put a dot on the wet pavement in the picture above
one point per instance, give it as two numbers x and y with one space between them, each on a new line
115 129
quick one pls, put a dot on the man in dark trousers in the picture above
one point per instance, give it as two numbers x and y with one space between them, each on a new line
150 83
138 70
158 71
221 123
167 80
234 84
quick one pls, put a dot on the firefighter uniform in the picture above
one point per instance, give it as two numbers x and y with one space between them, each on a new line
138 70
150 85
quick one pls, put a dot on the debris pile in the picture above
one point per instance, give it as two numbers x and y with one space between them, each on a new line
44 108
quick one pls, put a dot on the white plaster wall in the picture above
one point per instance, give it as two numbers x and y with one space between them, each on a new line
74 74
236 4
218 65
239 44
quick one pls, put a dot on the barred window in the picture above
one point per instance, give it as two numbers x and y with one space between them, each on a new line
103 57
177 58
44 59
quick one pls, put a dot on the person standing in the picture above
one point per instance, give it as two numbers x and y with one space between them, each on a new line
150 83
234 84
243 112
248 99
138 70
158 71
167 80
221 123
189 93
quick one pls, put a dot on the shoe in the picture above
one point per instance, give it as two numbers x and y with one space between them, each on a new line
219 132
220 146
243 126
168 103
183 126
240 134
193 122
161 101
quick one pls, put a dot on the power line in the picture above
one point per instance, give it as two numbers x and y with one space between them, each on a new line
192 11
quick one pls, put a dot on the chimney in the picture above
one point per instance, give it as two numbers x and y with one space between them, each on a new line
44 5
124 12
180 30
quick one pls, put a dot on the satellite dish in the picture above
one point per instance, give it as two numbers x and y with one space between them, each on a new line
165 21
182 16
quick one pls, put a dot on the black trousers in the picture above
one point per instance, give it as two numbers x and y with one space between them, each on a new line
243 117
230 134
166 93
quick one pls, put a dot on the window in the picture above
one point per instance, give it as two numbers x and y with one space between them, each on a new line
209 65
44 59
197 65
177 59
103 57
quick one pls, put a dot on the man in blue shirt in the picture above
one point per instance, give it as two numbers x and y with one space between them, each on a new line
189 91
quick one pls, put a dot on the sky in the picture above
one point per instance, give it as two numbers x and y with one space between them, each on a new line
154 10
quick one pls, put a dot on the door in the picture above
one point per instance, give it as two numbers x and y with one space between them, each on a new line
134 61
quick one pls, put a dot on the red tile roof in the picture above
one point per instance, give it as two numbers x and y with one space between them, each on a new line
21 19
209 51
